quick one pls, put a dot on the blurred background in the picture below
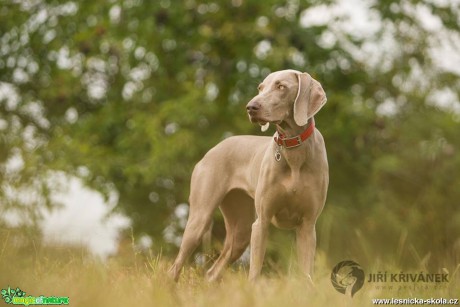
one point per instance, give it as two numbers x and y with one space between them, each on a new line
106 106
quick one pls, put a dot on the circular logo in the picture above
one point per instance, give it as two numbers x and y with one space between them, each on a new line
347 277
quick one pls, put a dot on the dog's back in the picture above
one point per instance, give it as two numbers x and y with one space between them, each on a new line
219 163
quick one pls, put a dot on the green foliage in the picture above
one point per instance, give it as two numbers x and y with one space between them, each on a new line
129 95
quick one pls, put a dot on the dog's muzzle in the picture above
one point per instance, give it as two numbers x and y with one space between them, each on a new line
253 108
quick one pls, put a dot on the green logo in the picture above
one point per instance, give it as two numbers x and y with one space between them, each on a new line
18 297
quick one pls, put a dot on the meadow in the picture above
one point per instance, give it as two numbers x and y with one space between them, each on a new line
134 277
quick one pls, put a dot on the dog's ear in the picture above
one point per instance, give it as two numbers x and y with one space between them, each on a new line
264 127
310 98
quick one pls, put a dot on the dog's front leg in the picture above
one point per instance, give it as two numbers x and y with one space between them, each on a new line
306 247
258 246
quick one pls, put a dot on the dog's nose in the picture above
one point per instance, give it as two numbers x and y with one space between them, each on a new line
252 106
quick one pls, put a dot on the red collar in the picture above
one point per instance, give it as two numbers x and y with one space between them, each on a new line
295 141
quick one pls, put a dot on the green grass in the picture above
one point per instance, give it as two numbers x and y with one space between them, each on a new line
134 278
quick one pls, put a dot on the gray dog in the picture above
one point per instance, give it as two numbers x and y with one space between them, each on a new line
256 180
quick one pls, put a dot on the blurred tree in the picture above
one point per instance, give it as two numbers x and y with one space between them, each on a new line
128 95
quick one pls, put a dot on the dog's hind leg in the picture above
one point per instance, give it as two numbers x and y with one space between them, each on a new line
204 199
239 214
197 225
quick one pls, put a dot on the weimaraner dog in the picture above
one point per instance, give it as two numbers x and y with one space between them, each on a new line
256 180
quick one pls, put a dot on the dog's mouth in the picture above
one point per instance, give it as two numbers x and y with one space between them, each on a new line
263 122
258 121
256 118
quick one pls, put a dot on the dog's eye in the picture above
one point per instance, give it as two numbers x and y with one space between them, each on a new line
281 87
259 88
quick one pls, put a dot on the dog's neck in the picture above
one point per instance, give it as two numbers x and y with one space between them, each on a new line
289 129
294 156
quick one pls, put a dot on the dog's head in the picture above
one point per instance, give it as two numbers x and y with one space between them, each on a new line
286 94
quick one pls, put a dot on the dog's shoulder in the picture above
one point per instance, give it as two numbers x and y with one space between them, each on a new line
237 147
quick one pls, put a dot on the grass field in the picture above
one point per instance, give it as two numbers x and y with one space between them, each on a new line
138 279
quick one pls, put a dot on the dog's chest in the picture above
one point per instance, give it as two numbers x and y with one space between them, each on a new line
288 192
291 203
